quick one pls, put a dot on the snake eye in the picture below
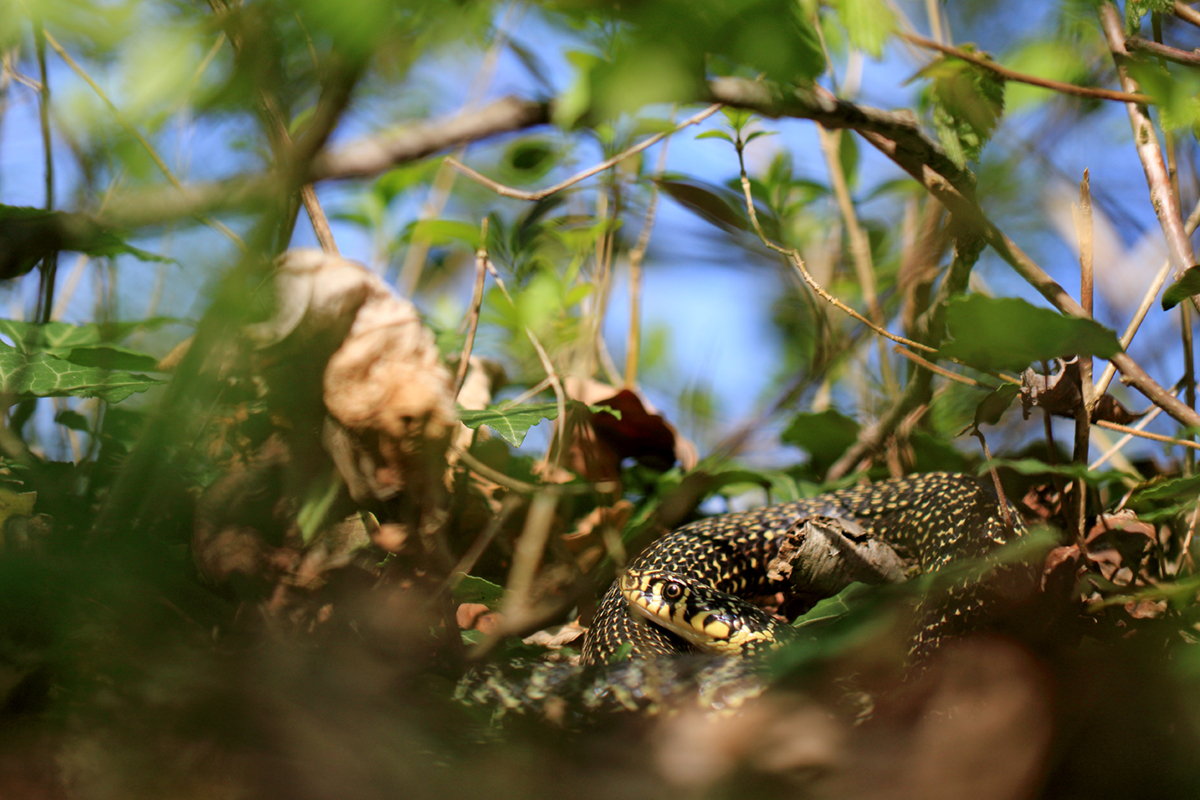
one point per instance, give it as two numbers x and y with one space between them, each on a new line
672 591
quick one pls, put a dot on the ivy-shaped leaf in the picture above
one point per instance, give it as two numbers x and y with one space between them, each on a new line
45 375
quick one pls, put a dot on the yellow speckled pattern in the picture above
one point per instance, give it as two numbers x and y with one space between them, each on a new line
932 518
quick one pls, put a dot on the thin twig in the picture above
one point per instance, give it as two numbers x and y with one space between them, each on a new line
1162 197
987 454
560 396
508 191
495 476
481 258
1157 437
1012 75
860 245
633 347
132 130
929 365
1083 412
1143 308
443 180
1124 440
49 270
794 256
1190 58
1186 13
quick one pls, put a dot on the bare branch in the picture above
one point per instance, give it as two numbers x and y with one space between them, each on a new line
376 154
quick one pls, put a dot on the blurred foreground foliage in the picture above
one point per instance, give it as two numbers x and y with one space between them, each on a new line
247 546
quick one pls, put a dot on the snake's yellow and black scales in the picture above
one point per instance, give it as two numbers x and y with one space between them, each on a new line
933 518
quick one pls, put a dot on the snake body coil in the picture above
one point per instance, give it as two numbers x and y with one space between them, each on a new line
932 518
696 582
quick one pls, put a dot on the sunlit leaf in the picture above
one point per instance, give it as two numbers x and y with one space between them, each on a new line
1010 334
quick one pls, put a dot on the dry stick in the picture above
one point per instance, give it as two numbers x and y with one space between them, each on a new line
1157 437
633 347
481 259
1083 412
987 454
1187 58
49 266
467 563
1186 13
508 191
1032 80
1162 197
527 555
1124 440
497 477
560 395
1143 308
860 245
934 368
135 133
443 181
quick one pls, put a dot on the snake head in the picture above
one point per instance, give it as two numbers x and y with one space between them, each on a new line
713 621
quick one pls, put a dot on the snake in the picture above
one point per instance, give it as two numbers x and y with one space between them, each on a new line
682 613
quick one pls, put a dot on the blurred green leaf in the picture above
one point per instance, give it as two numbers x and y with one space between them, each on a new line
824 435
868 23
1010 334
966 102
471 589
44 375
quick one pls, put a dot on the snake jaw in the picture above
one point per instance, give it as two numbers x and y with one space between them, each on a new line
713 621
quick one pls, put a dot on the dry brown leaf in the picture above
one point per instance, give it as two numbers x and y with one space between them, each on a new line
558 637
478 617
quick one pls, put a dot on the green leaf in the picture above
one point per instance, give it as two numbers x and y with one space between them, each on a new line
715 135
824 435
511 423
966 102
1010 334
44 375
528 160
442 231
1031 466
1167 489
832 607
73 420
27 235
471 589
111 356
1187 285
715 204
868 23
992 408
61 337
